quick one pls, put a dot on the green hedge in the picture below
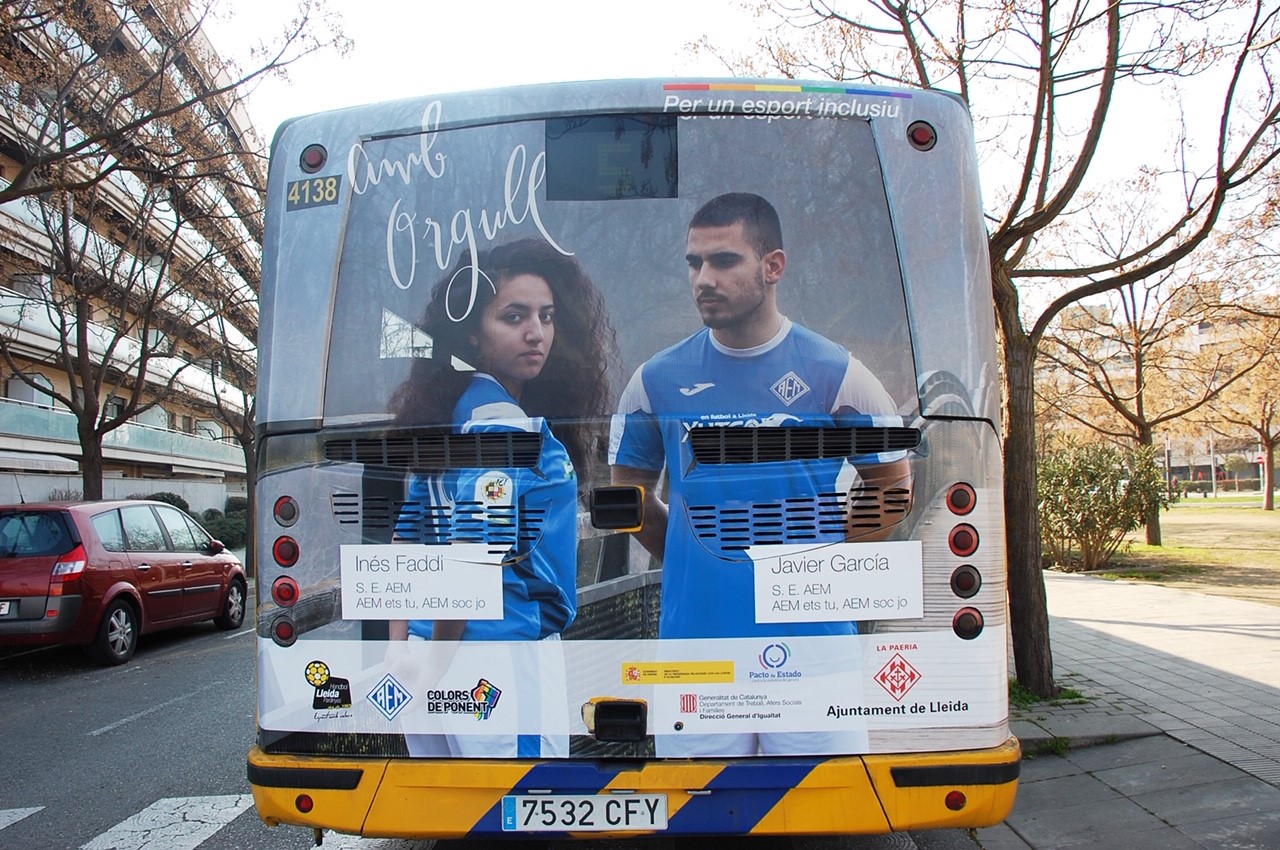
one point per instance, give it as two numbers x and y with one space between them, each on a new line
231 529
170 499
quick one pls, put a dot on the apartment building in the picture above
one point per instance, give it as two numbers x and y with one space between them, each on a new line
128 287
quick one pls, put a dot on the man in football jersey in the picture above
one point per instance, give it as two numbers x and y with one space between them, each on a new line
750 366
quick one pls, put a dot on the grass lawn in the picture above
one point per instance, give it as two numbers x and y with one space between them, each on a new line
1227 547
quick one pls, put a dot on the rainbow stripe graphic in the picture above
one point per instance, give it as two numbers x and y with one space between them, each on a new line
789 88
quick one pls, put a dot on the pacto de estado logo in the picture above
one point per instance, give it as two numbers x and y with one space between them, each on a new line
774 656
331 692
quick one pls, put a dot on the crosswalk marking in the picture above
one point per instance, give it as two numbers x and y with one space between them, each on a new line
341 841
8 817
173 823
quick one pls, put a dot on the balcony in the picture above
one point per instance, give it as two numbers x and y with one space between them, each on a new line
34 428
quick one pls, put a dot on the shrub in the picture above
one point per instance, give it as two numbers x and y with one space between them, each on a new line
169 498
231 529
211 514
1091 495
58 495
237 505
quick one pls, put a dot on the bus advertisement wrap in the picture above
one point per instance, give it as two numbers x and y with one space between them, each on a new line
628 422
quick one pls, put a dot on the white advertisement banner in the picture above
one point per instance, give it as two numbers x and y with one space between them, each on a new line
817 694
838 582
462 581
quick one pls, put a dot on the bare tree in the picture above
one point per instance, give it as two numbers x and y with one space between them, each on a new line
140 183
234 400
111 317
1043 80
1143 359
1254 405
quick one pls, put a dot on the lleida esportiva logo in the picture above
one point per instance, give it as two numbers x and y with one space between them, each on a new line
897 677
331 692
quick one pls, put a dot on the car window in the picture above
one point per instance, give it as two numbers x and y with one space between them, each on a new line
203 539
141 530
109 531
175 522
26 534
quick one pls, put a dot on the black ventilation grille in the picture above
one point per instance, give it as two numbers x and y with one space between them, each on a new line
461 522
821 519
439 450
718 444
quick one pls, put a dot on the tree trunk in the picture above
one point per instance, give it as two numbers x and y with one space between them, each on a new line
1145 438
1028 608
251 523
1268 476
91 466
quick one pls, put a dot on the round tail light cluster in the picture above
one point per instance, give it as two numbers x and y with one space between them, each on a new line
966 581
285 591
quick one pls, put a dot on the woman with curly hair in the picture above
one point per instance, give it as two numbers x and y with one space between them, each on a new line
533 327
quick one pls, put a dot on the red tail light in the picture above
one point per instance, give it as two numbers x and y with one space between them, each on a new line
67 571
285 591
285 550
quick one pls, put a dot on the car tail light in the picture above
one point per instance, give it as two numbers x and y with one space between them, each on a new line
67 571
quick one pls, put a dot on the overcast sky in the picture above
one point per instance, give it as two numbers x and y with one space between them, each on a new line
419 47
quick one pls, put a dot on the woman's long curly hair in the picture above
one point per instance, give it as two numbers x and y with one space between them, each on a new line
573 386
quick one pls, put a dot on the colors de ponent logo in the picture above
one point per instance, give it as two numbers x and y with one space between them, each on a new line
480 700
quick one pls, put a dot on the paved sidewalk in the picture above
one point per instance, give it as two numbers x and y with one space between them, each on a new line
1178 742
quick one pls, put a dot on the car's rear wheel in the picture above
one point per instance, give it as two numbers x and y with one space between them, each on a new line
232 616
117 634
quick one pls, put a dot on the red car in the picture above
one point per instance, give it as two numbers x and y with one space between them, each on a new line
103 573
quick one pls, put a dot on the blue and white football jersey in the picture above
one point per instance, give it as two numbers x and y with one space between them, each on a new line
531 512
797 379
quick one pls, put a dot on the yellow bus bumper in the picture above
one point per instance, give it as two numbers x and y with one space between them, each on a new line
422 798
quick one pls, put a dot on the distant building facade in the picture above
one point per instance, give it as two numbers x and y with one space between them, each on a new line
194 244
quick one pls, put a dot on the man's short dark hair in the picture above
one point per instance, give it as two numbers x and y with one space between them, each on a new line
759 218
